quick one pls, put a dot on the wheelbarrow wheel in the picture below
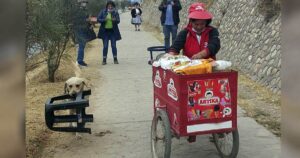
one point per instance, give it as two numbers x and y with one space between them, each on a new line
160 135
227 143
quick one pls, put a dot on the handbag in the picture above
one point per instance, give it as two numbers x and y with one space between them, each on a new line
132 20
91 34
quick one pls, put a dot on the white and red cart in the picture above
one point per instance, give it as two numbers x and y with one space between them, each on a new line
191 105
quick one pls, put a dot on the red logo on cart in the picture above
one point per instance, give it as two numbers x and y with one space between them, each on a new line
209 99
172 90
157 80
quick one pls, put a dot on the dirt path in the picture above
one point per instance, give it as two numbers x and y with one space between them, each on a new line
121 103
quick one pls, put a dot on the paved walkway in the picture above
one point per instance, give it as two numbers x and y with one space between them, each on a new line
122 99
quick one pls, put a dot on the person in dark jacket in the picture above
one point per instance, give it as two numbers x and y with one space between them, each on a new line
198 40
109 31
169 19
136 13
82 28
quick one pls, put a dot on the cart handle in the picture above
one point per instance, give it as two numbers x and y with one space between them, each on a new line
155 49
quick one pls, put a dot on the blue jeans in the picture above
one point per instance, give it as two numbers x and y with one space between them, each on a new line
168 30
109 35
80 54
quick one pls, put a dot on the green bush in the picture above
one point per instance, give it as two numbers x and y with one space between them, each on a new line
94 6
48 28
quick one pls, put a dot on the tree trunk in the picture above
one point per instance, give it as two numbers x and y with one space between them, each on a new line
51 75
54 57
52 67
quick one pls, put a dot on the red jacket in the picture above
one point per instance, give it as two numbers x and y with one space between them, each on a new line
187 40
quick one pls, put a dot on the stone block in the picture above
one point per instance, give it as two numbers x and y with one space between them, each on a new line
269 71
273 54
274 71
278 47
273 48
279 63
268 57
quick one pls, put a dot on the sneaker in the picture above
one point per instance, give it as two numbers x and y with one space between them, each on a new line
116 61
82 63
139 30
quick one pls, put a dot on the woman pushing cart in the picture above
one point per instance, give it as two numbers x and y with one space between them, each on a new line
190 104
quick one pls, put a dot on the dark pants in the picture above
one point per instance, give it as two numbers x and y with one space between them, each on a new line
109 36
168 30
81 40
80 54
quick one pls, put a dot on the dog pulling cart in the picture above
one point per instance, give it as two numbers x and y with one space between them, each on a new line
191 105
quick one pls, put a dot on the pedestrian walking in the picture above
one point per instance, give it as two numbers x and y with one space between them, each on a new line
136 13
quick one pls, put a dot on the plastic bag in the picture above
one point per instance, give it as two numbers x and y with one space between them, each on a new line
166 62
222 65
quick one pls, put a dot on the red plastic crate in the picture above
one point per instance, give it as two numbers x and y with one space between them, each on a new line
197 104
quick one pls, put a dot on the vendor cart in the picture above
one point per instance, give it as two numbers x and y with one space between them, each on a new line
191 105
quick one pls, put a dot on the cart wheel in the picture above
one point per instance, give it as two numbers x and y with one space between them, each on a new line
227 143
160 135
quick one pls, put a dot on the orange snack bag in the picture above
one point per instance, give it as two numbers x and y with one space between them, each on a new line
205 67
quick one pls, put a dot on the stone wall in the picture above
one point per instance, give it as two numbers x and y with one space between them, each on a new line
249 33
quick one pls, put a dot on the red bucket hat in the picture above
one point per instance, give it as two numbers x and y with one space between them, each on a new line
197 11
